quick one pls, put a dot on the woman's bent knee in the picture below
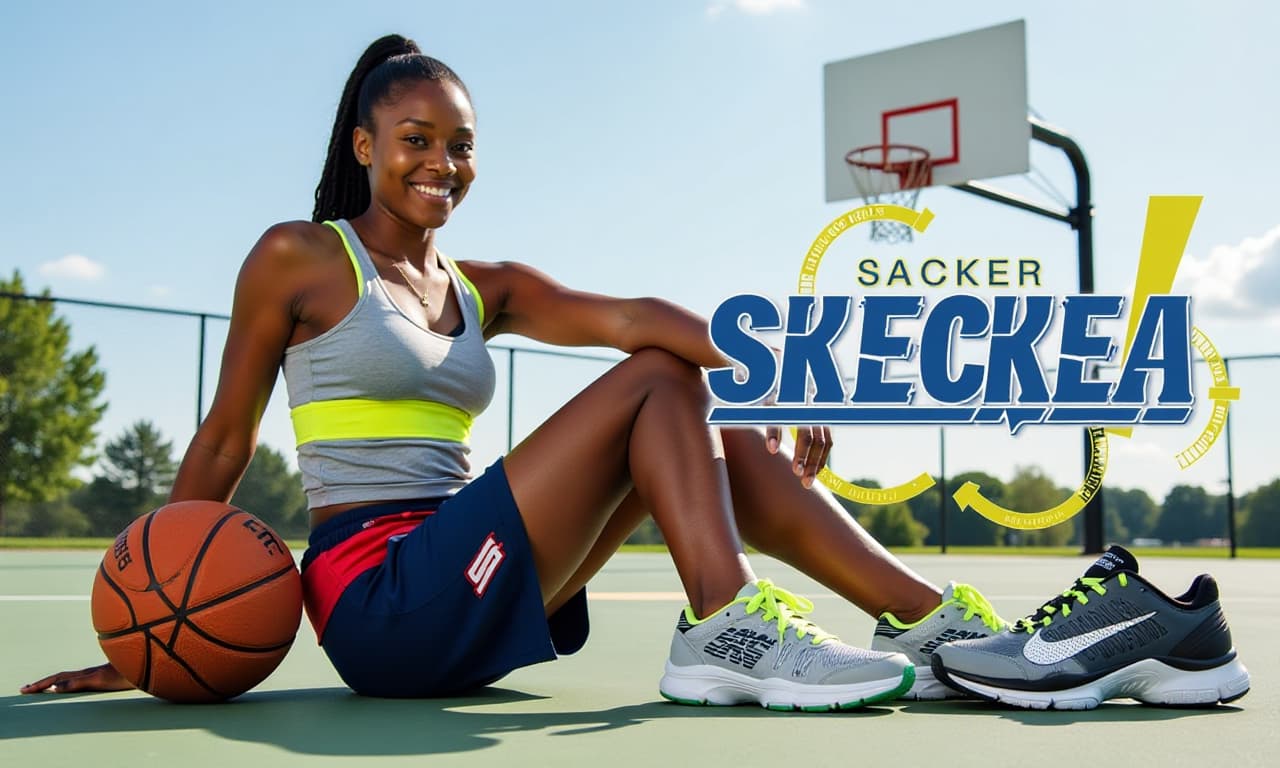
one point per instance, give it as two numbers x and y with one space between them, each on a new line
653 365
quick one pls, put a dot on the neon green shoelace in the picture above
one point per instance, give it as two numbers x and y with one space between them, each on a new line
1076 593
976 605
787 608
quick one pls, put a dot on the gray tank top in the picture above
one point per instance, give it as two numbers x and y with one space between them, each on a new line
382 406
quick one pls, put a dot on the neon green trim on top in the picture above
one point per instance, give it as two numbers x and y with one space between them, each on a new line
778 604
355 264
1080 595
470 287
962 596
787 608
356 419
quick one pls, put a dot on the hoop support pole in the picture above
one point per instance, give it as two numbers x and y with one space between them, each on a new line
1081 220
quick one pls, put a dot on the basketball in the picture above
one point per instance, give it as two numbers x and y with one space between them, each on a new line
197 601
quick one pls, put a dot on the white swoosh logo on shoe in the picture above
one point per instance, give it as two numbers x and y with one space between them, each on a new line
1041 651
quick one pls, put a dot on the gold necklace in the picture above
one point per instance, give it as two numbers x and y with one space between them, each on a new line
421 296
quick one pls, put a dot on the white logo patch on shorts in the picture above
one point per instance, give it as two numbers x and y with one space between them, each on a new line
485 564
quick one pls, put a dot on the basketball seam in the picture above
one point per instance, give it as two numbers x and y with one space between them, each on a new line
181 611
232 646
190 671
238 591
133 617
152 584
145 683
210 604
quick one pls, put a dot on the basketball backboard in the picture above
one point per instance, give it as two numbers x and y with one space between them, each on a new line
962 99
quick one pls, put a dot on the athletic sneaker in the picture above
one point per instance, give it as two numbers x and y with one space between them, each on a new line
1111 635
963 614
759 649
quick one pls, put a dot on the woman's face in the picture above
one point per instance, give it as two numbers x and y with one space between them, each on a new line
421 152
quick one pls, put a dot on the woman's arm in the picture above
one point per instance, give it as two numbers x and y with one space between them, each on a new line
262 320
533 305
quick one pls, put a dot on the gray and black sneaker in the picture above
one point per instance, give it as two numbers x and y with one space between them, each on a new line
760 650
1111 635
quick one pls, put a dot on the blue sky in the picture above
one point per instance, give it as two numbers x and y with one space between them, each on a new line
663 148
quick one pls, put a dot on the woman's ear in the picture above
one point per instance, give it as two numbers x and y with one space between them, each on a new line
362 145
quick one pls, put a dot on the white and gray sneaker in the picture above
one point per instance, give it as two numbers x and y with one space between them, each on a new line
760 649
963 614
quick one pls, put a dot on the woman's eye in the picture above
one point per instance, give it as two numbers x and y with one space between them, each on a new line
417 141
464 148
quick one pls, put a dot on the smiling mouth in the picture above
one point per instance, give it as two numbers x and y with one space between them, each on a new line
433 192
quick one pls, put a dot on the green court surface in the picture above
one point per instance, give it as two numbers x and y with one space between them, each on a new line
601 707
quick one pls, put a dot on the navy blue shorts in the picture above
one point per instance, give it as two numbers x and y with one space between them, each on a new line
454 604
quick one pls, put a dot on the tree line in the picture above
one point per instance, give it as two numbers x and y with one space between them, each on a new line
133 476
1187 515
50 406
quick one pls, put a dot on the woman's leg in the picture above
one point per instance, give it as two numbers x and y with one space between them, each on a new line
638 439
804 527
642 424
808 529
622 523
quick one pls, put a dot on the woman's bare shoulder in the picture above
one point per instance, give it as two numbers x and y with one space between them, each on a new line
483 270
293 262
499 276
297 243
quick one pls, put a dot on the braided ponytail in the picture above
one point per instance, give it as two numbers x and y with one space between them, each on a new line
343 191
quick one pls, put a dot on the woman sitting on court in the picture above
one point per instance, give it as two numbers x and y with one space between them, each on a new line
422 579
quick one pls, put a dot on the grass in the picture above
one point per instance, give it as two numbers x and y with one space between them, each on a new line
17 542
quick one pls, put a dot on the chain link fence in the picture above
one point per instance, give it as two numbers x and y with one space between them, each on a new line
162 366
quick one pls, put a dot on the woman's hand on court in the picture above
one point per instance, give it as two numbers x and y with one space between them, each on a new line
102 678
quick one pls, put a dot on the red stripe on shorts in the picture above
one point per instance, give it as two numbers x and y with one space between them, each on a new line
334 569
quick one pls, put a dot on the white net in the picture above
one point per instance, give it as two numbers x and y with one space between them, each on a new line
890 173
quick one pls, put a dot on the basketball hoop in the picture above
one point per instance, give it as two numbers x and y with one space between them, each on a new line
890 173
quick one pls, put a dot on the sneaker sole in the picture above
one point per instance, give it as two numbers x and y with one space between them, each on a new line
1149 681
928 687
705 685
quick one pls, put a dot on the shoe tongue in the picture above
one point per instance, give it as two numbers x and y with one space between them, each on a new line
948 594
750 589
1115 559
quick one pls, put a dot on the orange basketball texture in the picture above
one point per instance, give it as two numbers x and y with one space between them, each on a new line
197 601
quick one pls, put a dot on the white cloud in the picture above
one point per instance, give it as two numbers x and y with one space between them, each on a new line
74 267
753 7
1235 281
